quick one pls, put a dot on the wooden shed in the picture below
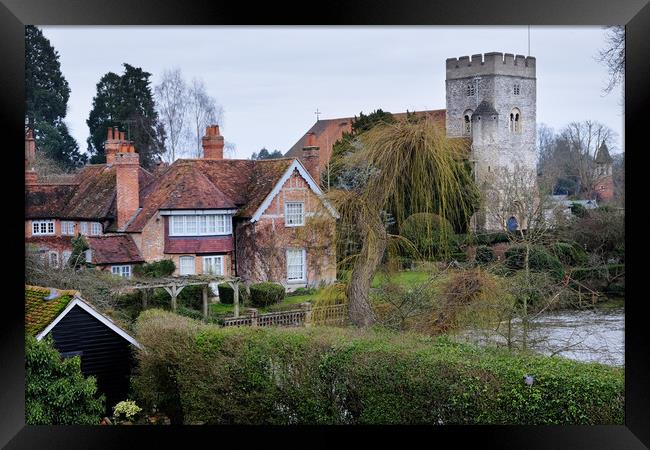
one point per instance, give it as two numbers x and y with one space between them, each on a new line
78 329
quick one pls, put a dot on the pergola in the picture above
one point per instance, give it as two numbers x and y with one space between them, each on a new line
174 286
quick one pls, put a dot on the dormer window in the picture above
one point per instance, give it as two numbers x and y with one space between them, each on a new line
42 227
294 214
516 88
471 90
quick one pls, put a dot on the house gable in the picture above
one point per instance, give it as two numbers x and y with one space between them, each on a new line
295 166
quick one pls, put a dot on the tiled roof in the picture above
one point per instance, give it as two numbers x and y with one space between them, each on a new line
199 245
330 128
113 249
39 313
210 184
90 197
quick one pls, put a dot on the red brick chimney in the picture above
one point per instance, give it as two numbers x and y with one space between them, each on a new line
212 143
122 155
31 177
311 157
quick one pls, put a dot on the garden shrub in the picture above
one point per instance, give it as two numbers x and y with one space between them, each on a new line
569 254
192 296
200 373
302 291
266 293
156 269
226 294
484 254
56 391
539 259
578 210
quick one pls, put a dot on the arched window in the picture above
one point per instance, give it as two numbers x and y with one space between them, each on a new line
470 90
467 122
515 121
512 224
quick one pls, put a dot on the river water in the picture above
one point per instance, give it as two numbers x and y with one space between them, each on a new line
589 335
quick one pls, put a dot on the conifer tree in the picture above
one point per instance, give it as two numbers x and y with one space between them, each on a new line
46 99
126 101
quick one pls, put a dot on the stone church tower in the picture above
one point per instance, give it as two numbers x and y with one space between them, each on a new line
491 99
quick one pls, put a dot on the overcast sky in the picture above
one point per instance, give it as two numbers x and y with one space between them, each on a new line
271 80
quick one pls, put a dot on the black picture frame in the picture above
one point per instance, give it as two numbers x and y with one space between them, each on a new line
14 14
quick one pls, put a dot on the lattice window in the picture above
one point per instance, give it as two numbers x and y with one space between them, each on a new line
296 265
470 90
516 89
294 214
43 227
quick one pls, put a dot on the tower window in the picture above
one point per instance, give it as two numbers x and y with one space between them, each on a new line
467 122
515 121
471 90
516 89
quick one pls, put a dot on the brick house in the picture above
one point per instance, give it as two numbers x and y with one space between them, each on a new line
260 220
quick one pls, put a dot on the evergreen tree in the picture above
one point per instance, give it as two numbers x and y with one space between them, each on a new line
46 90
265 154
46 97
126 101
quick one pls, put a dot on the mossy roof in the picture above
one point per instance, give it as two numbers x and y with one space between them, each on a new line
39 313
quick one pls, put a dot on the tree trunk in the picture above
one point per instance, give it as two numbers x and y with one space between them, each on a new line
365 266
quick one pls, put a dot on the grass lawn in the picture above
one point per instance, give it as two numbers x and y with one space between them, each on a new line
406 278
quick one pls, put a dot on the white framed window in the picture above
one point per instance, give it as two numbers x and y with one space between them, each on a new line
95 229
53 259
213 265
83 228
296 264
67 228
294 214
200 225
187 265
121 271
88 255
65 257
42 227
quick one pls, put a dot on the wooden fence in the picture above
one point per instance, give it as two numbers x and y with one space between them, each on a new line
305 316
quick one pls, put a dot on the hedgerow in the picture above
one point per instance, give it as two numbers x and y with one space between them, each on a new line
199 373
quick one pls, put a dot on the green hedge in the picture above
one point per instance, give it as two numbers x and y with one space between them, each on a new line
266 293
226 294
539 259
200 373
484 254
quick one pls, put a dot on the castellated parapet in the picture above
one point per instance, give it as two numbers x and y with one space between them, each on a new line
492 100
493 63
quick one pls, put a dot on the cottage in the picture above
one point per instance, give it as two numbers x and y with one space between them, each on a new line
257 220
78 329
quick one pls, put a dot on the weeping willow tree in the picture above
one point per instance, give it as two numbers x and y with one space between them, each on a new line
406 168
